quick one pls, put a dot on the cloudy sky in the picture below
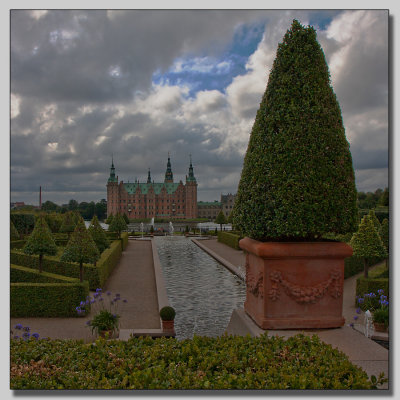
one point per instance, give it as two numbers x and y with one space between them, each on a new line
139 84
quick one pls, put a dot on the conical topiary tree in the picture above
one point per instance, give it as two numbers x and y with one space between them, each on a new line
109 219
220 219
40 241
14 235
98 235
297 180
69 223
366 242
375 220
118 224
81 248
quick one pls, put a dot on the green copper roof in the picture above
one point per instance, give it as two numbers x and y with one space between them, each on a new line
145 187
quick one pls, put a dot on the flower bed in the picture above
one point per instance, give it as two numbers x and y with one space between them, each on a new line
225 362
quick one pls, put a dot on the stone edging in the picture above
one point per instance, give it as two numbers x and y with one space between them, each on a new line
225 263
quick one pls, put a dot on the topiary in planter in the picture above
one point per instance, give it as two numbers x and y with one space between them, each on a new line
167 313
297 181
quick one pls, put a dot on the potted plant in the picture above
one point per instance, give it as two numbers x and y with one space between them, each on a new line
104 308
297 184
167 315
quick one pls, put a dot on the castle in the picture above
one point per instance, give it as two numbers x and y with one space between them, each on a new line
148 200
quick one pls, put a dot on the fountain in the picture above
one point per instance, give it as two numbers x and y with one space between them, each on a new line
152 222
141 228
171 228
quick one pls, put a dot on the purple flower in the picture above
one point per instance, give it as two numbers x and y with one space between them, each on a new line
98 290
26 335
358 310
35 335
125 300
118 295
18 326
355 317
351 325
16 337
88 323
26 329
381 291
360 300
108 293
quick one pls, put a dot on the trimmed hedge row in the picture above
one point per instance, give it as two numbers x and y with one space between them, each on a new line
230 239
95 275
29 299
355 264
368 285
24 274
17 244
226 362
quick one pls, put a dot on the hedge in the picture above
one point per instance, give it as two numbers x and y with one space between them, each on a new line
95 275
381 214
355 264
227 362
24 274
368 285
230 239
46 299
17 244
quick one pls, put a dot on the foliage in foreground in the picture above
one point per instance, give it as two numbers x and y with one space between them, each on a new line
201 363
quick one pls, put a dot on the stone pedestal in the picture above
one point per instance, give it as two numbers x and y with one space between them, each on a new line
295 285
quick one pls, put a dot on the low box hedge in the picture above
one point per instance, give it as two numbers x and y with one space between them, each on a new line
24 274
370 284
226 362
230 239
17 244
95 275
355 264
29 299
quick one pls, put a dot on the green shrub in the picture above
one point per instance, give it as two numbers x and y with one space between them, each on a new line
24 274
381 214
24 222
225 362
46 299
297 180
229 239
368 285
95 275
355 264
17 244
14 235
167 313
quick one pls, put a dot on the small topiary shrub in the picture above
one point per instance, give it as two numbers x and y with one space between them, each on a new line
230 239
297 181
167 313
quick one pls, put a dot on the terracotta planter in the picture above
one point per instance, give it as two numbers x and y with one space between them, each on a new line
106 334
380 327
168 326
295 285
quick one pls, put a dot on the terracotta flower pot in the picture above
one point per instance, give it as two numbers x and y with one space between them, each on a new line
168 326
295 285
380 327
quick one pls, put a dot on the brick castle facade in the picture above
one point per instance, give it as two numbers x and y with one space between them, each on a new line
147 200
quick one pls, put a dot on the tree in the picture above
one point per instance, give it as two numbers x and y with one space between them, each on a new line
384 199
49 206
69 222
109 219
81 248
118 225
101 209
98 235
220 219
297 180
366 242
73 205
54 221
126 219
14 235
375 220
40 241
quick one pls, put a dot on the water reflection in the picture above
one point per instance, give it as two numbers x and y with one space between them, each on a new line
202 291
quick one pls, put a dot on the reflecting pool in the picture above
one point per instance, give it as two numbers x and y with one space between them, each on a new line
202 291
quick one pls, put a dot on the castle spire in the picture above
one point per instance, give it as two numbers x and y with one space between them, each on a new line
112 177
149 177
191 177
169 177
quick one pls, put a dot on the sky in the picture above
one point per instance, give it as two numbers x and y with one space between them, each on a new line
135 85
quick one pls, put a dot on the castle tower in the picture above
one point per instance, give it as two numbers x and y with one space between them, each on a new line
112 192
169 177
191 193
